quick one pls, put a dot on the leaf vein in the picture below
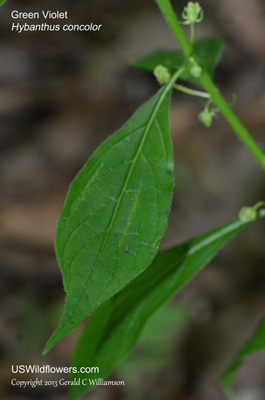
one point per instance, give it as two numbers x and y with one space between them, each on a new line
124 188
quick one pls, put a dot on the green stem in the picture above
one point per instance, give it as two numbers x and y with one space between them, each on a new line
169 14
209 85
191 91
258 205
192 33
233 120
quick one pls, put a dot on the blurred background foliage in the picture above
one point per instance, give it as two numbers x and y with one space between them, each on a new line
61 95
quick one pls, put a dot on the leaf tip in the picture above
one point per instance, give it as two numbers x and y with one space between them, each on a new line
48 347
56 336
45 351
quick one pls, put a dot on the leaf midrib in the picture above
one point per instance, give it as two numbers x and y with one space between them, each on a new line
127 179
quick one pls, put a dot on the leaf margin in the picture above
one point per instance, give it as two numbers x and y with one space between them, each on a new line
162 94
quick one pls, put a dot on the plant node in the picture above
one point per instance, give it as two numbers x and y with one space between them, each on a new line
196 69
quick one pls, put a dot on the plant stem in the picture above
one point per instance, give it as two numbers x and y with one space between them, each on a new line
231 117
192 33
259 205
169 14
191 91
208 84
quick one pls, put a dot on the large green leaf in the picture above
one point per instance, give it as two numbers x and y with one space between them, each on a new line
116 212
255 343
2 2
208 50
116 325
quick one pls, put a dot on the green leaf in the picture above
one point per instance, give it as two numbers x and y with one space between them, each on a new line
156 343
208 50
116 212
254 344
116 325
2 2
172 59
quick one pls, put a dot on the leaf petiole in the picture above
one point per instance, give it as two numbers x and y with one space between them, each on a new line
192 32
192 91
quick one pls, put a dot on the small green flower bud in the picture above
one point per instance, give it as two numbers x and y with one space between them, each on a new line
196 69
162 74
206 117
247 214
192 13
